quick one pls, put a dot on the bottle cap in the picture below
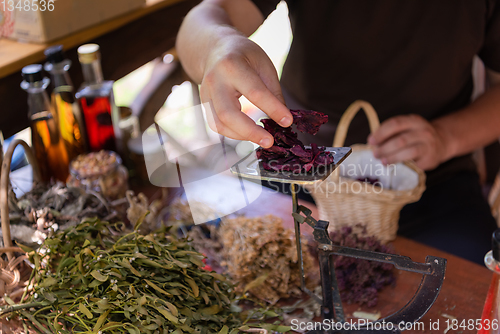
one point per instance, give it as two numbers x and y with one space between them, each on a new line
32 73
495 244
54 54
87 53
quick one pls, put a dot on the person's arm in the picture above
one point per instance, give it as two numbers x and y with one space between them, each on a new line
475 126
214 50
411 137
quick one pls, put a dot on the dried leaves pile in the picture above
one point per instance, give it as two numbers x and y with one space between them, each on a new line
261 257
88 280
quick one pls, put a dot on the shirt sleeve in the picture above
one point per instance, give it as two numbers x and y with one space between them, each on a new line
266 7
490 51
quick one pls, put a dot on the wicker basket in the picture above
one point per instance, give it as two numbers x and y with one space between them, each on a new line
345 201
14 272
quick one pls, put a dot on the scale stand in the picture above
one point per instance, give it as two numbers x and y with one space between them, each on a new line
433 269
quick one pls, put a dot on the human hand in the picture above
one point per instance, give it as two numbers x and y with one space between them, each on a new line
237 66
409 137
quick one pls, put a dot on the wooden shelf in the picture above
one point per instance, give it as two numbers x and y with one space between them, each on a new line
127 42
14 55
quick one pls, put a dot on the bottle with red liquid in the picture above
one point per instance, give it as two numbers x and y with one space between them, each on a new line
490 319
101 116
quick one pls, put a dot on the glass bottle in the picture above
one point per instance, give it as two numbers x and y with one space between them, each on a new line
97 102
491 312
50 151
69 115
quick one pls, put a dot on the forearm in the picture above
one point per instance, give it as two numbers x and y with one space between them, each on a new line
208 23
473 127
411 137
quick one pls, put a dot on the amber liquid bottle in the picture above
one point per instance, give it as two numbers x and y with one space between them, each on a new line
97 102
50 151
67 109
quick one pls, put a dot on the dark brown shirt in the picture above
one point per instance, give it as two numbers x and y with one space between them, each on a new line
404 57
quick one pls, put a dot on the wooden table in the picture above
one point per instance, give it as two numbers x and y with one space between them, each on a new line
127 42
462 295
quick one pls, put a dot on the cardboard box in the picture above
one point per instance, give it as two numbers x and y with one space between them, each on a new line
66 17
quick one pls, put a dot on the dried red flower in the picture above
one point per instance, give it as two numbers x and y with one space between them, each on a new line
288 152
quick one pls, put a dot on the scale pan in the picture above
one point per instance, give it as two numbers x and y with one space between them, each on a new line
251 168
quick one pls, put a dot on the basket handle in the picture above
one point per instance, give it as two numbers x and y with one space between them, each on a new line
347 117
373 121
345 122
4 187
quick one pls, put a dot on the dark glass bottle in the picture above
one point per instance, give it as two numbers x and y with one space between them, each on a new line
67 109
97 102
491 312
50 151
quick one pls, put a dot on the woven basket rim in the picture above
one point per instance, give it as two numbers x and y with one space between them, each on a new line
382 194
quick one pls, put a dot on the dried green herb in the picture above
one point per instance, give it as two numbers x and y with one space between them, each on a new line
93 279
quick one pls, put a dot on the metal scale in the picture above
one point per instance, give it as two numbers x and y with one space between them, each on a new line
433 269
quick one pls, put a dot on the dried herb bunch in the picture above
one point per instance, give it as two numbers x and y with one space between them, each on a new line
360 280
52 206
261 257
91 279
